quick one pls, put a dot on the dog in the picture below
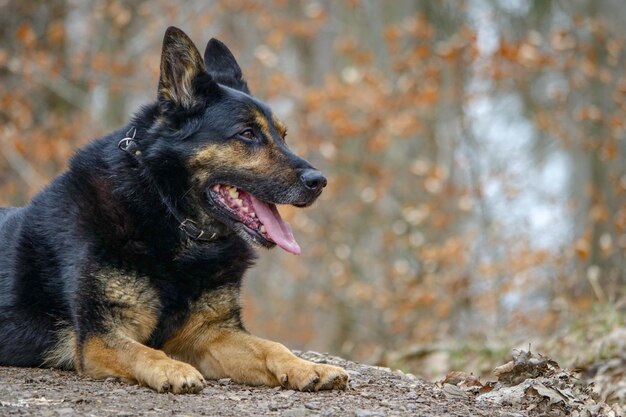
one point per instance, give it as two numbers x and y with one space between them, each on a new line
129 264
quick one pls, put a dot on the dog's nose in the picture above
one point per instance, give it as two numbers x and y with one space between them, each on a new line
313 179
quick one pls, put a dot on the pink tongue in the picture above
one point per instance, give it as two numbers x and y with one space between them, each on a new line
277 229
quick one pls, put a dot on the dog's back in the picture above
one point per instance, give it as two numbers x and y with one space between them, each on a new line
5 213
10 224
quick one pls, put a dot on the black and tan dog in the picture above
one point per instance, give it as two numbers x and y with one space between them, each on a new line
129 264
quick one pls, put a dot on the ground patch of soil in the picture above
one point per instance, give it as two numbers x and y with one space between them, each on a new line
375 392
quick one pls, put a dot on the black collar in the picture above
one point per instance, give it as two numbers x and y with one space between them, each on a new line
189 227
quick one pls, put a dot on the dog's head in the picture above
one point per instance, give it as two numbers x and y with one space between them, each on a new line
232 147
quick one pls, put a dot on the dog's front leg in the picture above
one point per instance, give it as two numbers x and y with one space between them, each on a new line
214 341
121 357
251 360
117 312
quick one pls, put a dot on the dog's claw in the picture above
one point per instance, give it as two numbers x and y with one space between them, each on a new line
311 386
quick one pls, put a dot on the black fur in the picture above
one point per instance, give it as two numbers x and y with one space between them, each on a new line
107 211
222 65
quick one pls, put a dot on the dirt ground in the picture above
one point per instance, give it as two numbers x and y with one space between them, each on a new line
375 392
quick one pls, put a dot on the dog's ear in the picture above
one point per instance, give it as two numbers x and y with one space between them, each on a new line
181 63
223 67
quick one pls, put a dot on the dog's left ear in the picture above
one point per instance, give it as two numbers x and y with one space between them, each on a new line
181 63
223 67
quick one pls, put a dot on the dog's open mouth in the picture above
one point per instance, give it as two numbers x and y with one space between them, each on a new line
262 220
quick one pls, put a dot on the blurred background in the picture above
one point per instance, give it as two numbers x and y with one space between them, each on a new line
475 150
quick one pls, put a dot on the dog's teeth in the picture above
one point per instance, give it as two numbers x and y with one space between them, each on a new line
253 214
233 192
262 229
238 202
245 209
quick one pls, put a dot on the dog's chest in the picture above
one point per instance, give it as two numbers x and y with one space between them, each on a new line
215 306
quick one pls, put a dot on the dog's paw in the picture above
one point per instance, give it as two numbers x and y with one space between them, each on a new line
308 376
168 375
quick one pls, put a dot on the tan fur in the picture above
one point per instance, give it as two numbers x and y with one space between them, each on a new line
120 353
212 342
280 126
135 315
63 354
262 122
265 125
251 360
100 360
230 154
180 64
234 153
265 162
124 358
137 303
213 310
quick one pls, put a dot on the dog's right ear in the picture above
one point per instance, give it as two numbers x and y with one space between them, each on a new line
181 63
223 67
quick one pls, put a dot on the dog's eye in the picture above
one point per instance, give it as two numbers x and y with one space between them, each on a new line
248 135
